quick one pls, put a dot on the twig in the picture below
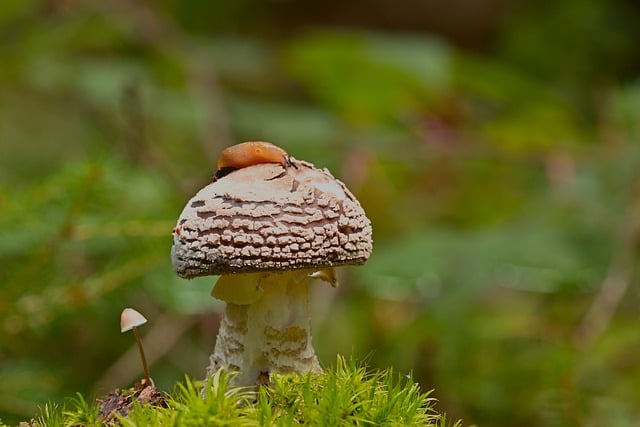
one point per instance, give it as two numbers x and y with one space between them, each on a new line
603 308
614 286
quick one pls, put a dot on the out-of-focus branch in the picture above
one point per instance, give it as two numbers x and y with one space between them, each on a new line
603 308
614 286
154 29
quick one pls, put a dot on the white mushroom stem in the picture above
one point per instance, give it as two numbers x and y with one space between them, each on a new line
266 326
142 357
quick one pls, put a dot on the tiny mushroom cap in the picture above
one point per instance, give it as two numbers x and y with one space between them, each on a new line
257 220
130 319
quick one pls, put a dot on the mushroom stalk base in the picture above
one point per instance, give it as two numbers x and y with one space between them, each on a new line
272 334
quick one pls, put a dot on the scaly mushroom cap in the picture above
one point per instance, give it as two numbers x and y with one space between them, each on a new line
261 219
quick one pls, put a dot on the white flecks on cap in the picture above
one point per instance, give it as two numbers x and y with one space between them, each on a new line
130 319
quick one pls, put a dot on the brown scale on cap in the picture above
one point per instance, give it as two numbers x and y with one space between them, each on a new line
268 235
250 222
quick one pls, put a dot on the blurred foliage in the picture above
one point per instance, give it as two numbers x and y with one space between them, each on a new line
501 177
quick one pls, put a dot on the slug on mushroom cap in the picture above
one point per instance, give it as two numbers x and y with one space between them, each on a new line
250 153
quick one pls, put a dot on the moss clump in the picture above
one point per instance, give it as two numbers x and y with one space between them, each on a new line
346 394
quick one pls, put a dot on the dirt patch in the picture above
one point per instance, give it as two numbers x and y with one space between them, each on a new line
120 402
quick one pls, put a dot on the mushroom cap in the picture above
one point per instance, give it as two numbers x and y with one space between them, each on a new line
130 319
261 219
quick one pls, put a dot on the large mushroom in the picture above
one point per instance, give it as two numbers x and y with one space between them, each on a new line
268 234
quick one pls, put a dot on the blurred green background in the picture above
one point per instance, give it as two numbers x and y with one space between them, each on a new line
494 145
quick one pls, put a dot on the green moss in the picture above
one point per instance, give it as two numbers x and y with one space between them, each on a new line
346 394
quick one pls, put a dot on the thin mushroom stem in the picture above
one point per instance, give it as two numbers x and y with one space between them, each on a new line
144 359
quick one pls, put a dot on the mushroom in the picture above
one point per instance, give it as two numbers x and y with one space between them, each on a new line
131 319
268 234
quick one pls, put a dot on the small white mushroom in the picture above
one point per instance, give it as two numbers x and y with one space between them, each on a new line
268 235
131 319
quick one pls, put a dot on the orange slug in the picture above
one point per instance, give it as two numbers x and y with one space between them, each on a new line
248 154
